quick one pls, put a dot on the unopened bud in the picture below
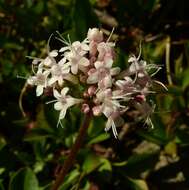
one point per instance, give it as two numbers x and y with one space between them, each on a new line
91 90
96 110
85 94
95 34
140 98
85 108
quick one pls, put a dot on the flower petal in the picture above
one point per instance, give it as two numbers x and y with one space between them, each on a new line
64 91
39 90
99 64
84 62
62 61
115 71
62 113
85 47
58 106
64 49
74 68
56 94
53 53
52 80
93 78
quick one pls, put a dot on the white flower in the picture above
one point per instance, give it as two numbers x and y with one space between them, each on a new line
77 47
40 80
59 71
102 74
64 101
49 61
110 107
77 62
75 56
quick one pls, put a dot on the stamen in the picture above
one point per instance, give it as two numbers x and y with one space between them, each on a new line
21 77
110 35
48 42
161 84
52 101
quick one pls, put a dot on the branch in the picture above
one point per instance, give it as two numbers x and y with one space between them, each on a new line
71 157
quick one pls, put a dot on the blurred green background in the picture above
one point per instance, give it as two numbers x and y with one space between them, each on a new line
32 149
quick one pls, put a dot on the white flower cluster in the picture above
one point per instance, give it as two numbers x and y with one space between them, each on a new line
108 90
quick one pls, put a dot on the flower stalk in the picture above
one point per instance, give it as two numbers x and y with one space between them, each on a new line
72 155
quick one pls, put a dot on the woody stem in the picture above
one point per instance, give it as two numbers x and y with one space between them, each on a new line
68 163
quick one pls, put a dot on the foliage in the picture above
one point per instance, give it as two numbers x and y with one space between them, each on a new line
32 149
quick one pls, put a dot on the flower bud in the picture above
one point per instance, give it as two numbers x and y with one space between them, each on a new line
95 35
96 110
85 108
91 90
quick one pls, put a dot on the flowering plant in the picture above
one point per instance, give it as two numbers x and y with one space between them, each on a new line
106 89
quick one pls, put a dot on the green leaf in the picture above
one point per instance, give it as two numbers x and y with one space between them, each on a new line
171 148
70 179
139 163
1 185
185 77
91 163
120 164
2 142
24 179
138 184
99 138
105 165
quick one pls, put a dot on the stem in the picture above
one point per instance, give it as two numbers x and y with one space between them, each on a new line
167 60
71 157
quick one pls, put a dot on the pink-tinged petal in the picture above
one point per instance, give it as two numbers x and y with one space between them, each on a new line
98 64
56 94
95 34
74 69
105 82
58 106
62 114
84 62
64 91
39 90
93 78
91 71
96 110
115 71
53 53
